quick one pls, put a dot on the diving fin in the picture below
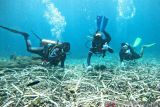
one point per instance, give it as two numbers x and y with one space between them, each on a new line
149 45
104 24
137 42
11 30
99 21
15 31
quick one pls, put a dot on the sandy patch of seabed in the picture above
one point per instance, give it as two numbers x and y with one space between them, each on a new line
135 84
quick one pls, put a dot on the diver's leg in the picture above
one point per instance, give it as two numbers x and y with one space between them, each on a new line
99 20
28 42
142 51
107 37
146 46
103 53
89 58
104 24
137 56
149 45
36 50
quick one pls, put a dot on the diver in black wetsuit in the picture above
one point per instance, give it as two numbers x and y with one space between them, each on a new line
50 51
99 44
127 52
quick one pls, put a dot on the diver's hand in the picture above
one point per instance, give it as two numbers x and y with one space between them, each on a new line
45 63
61 69
89 68
128 51
105 46
122 64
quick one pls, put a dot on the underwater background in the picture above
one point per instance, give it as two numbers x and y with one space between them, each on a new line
26 80
75 20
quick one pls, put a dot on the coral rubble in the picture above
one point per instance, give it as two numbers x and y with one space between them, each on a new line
135 84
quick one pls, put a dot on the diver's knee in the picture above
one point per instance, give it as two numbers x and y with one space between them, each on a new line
29 49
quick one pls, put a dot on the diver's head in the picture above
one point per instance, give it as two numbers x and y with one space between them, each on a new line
98 35
66 46
124 45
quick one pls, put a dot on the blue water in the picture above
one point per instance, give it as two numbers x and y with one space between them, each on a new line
139 18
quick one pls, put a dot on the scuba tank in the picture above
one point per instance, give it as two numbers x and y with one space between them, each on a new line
46 41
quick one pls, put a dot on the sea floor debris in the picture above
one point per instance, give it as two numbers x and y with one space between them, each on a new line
135 84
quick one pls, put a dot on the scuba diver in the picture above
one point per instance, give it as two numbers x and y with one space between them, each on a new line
127 52
51 52
100 44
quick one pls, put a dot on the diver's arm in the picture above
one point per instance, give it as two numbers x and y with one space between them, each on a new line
93 43
131 49
121 56
107 37
89 58
133 53
121 60
63 60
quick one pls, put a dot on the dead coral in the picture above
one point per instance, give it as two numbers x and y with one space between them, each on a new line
132 85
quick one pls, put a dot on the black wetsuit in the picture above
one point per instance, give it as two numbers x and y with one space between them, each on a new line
51 53
128 54
57 55
97 45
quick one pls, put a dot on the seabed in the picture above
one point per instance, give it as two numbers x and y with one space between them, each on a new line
107 85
